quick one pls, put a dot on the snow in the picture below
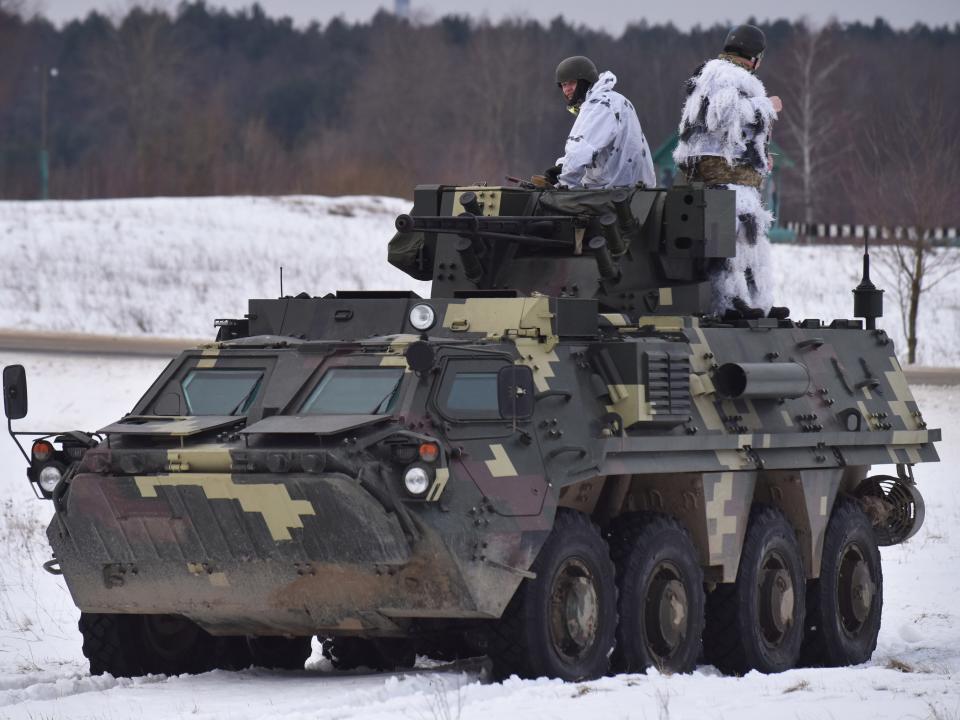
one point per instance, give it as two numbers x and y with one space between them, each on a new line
168 267
915 672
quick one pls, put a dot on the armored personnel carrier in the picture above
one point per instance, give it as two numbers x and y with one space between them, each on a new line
560 459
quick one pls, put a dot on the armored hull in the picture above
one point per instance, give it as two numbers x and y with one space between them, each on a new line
552 479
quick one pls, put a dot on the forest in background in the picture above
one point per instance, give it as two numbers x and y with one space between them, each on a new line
202 101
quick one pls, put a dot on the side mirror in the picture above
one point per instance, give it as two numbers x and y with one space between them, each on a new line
15 391
515 392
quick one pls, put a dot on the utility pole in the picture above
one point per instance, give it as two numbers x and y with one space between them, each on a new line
45 74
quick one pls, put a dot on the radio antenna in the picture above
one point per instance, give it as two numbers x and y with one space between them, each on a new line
867 298
281 281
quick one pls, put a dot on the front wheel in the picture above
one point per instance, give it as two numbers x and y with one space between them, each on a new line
844 605
561 624
757 623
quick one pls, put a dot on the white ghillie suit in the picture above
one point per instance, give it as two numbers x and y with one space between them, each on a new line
728 115
606 146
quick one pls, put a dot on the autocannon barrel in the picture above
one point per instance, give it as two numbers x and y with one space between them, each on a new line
762 380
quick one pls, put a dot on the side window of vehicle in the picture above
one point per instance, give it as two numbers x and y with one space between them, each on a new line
469 390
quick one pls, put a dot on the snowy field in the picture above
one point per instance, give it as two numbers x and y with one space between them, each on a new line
914 675
168 267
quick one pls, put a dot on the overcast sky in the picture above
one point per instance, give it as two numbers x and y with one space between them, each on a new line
612 15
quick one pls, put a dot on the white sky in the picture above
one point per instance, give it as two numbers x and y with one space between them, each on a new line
612 15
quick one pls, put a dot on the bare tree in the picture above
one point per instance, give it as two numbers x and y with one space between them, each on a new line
908 178
812 116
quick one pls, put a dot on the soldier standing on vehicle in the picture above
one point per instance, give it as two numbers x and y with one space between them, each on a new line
606 147
724 136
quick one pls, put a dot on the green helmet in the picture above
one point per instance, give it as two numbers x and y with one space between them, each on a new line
576 68
747 41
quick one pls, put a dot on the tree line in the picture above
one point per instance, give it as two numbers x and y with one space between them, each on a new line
203 101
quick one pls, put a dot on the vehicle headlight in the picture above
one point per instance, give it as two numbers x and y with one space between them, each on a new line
416 480
49 477
422 317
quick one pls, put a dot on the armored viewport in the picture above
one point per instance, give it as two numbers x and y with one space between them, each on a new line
634 250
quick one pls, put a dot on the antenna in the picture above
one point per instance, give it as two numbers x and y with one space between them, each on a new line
281 281
867 298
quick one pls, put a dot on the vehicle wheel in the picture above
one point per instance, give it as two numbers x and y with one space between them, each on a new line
173 645
279 653
109 643
132 645
845 604
349 653
757 623
661 599
563 623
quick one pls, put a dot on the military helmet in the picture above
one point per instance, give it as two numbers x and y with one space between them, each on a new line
576 68
747 41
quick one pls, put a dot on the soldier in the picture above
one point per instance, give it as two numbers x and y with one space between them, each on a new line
606 147
724 134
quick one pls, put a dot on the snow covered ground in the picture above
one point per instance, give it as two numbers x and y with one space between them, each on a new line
915 673
168 267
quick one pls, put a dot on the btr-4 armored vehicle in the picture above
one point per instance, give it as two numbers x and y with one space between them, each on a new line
561 460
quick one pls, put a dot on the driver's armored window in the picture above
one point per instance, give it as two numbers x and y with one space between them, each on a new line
220 392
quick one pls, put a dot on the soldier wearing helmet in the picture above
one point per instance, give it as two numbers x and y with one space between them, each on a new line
606 146
723 137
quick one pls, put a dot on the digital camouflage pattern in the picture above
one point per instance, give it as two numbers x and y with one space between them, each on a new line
273 521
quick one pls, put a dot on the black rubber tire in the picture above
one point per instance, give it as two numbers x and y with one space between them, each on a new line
128 645
350 653
279 653
734 638
645 546
522 641
833 638
107 644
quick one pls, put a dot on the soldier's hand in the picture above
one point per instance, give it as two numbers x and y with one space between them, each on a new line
553 174
776 102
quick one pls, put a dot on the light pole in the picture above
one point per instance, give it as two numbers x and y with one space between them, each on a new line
45 74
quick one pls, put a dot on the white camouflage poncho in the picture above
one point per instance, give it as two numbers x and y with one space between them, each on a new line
606 146
728 114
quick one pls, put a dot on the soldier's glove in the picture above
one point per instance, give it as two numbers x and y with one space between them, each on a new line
553 174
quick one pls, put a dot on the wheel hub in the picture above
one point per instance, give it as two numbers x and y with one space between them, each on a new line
575 609
776 603
855 589
669 599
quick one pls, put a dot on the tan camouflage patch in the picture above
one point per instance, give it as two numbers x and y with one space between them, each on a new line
666 297
901 391
787 420
615 319
539 357
630 403
439 483
703 400
500 466
280 512
394 357
203 458
662 322
488 197
727 507
208 358
495 317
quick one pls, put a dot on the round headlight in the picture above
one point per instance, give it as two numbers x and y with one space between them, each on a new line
42 451
416 480
49 477
422 317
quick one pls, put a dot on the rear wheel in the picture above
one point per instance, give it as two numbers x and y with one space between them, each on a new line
661 599
561 624
757 623
844 605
